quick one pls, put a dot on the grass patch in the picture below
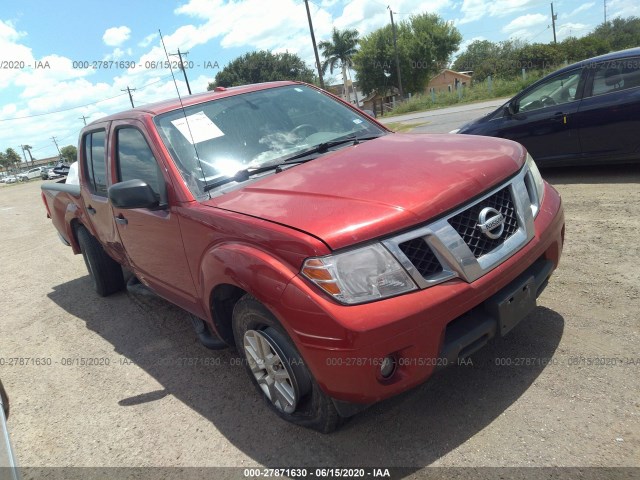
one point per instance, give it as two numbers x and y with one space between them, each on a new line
400 127
476 92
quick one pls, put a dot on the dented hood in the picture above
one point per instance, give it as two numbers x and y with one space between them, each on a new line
378 187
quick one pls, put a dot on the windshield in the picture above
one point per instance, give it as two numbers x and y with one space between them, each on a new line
217 139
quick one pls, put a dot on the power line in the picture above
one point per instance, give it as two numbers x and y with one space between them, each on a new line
58 111
80 106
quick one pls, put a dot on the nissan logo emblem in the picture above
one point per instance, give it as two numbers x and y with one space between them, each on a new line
491 222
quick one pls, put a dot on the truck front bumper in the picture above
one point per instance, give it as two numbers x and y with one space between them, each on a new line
422 331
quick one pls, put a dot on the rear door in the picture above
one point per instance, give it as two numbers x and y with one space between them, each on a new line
95 180
151 237
609 115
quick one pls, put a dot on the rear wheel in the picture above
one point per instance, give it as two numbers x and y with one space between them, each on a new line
277 369
105 272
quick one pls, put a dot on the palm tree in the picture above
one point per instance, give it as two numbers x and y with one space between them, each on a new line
28 149
340 51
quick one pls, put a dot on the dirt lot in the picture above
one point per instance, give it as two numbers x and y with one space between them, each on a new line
154 405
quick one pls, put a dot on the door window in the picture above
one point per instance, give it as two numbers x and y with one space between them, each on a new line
136 161
616 75
95 162
554 91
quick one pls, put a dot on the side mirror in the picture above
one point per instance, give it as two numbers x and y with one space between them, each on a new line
4 399
132 194
512 107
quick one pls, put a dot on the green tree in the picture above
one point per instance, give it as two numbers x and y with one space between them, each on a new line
4 162
69 153
339 52
619 33
425 45
262 66
12 157
575 49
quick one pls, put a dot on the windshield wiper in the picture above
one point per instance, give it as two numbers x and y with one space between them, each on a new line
325 146
245 174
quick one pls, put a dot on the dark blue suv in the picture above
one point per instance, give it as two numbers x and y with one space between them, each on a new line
586 113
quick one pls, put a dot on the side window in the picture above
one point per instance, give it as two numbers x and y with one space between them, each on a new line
555 91
136 161
95 162
616 75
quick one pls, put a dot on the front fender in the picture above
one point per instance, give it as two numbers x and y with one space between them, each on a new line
249 268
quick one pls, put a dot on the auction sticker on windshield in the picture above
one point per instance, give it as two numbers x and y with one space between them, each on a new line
197 128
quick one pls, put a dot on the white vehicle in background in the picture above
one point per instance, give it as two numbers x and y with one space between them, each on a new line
10 179
35 172
49 174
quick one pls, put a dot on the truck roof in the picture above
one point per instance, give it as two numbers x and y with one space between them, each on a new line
171 104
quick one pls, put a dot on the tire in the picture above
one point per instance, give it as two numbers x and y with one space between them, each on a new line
312 408
105 272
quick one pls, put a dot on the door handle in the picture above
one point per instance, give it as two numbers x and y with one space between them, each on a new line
120 220
91 210
560 117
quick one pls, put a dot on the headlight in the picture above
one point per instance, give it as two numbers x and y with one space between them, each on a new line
358 276
535 185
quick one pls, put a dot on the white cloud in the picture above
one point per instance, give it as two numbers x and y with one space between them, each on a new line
119 53
525 22
622 8
475 10
146 41
572 30
116 36
528 27
581 8
8 33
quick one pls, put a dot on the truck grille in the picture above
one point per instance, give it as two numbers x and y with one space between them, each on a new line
421 256
465 223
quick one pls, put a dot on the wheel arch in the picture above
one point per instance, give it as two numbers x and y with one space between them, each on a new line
232 270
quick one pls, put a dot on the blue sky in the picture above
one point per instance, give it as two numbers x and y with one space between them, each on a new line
59 35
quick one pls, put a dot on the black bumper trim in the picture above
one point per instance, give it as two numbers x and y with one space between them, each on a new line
471 331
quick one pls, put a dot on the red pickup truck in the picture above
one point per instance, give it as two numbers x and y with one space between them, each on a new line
346 263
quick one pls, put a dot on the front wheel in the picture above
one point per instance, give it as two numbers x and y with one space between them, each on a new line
106 274
277 369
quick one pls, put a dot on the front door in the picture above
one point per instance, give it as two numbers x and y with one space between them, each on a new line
151 237
544 119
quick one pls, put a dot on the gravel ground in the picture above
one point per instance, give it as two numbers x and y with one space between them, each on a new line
163 400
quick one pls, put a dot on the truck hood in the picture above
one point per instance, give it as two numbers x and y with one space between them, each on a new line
377 187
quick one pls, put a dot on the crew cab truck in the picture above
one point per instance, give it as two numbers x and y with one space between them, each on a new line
345 262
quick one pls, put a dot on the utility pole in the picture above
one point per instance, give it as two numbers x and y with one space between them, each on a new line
395 47
605 11
554 17
56 143
315 48
129 90
182 67
84 119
